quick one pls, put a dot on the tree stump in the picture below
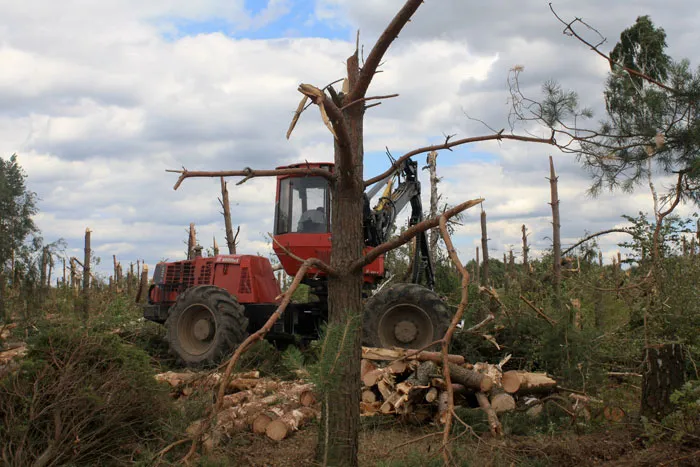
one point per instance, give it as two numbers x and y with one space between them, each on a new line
663 374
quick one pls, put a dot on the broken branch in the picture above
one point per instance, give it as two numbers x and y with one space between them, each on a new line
409 233
249 173
450 144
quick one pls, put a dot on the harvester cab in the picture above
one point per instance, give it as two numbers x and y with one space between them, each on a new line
209 304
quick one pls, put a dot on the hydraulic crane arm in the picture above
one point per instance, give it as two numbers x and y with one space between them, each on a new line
379 222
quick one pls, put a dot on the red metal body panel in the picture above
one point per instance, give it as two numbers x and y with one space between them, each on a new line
248 277
306 245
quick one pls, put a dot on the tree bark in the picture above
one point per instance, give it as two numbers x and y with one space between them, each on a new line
338 441
663 374
478 267
434 200
556 234
191 241
484 250
86 278
226 205
525 250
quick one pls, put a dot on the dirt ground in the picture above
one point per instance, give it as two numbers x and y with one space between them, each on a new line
396 445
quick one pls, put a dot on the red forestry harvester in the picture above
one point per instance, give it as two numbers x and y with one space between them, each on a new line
210 304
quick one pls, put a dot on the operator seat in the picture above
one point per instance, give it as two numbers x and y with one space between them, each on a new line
312 221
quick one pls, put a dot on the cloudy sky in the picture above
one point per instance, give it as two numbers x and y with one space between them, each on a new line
98 99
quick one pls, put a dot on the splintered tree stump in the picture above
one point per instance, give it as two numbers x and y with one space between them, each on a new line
471 379
663 374
525 382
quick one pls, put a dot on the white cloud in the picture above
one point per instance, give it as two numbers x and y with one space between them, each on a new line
99 98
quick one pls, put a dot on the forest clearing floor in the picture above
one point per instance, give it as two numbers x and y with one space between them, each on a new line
394 445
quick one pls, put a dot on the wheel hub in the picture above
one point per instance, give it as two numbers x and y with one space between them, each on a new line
405 325
202 329
405 331
195 329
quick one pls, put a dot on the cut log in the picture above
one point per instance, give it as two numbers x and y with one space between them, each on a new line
532 406
307 398
423 373
470 378
431 395
238 398
613 414
276 430
385 389
526 382
368 396
443 406
376 353
260 423
502 401
365 367
494 423
290 421
368 409
398 367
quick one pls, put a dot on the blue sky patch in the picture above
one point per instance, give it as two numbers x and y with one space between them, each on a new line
300 21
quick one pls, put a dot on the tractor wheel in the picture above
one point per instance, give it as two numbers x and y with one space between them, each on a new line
204 324
404 315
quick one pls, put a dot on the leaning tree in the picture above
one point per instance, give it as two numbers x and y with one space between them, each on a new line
343 112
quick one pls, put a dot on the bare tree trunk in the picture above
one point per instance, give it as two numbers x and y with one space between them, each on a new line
48 275
191 241
64 272
86 277
663 374
225 204
73 279
434 200
338 441
478 267
556 233
526 249
484 250
511 261
215 247
116 273
44 267
130 280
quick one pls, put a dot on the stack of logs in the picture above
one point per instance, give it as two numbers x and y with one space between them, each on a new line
400 382
262 405
411 385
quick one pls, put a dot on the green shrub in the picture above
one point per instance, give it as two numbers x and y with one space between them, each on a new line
79 398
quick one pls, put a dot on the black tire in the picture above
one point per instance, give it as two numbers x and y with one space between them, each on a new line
404 315
205 324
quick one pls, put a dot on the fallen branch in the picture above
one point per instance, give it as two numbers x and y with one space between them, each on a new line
538 311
